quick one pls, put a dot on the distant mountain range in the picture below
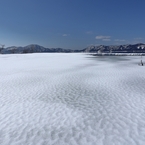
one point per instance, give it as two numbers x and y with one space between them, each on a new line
129 48
33 48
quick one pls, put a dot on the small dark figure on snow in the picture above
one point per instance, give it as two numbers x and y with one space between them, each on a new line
141 63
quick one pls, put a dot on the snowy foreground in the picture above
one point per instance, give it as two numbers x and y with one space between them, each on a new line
71 99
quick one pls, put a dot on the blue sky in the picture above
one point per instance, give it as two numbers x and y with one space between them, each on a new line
72 24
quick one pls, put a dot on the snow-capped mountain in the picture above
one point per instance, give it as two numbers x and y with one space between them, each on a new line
33 48
130 48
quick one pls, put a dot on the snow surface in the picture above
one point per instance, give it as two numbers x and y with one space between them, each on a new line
71 99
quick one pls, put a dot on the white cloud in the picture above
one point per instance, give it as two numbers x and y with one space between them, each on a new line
103 37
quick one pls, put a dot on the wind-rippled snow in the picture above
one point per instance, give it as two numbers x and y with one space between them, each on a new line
71 99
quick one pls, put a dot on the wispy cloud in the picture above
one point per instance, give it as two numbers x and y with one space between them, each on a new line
103 38
106 39
89 32
138 38
65 35
119 40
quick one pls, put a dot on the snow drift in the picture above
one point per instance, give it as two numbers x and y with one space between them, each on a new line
75 99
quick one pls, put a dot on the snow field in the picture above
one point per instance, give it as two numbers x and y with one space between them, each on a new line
75 99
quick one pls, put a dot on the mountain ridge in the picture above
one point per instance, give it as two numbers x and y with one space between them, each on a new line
35 48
